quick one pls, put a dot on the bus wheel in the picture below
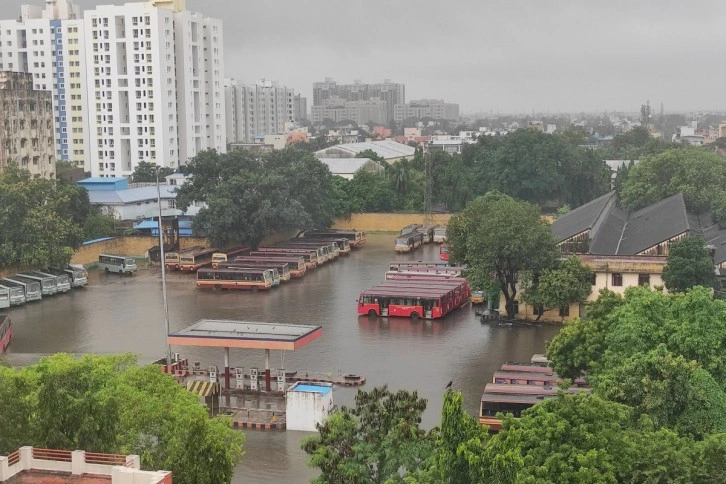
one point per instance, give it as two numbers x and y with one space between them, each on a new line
106 270
218 287
372 313
414 315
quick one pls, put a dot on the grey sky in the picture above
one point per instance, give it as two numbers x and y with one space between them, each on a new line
491 55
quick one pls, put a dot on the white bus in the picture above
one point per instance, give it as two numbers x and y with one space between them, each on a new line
117 263
48 285
30 288
62 281
4 297
16 293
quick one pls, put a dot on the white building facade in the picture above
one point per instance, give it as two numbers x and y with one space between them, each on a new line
155 76
259 110
48 43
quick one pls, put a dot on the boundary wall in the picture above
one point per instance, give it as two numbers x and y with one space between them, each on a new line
386 222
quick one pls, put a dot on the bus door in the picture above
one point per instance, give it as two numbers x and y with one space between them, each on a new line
383 301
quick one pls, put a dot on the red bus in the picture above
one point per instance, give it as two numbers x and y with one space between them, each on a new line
6 332
414 299
191 261
296 263
228 255
283 268
443 252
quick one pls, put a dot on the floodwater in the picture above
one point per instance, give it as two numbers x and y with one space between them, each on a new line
125 314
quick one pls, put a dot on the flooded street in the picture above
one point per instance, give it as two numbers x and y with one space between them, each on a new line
125 314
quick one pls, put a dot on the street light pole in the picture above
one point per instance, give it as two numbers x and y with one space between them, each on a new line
163 271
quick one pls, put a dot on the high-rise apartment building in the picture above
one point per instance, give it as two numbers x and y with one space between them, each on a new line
259 110
48 43
26 125
155 85
391 93
426 108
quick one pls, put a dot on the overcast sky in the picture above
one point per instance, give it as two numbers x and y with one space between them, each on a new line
486 55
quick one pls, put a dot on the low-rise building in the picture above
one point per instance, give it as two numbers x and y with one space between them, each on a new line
348 167
139 200
26 133
389 150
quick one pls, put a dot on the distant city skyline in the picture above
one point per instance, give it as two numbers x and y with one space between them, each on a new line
495 56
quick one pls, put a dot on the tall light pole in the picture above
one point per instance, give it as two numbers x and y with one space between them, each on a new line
163 271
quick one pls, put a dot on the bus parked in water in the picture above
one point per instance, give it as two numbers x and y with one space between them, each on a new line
428 233
356 238
412 265
440 234
76 274
117 263
414 299
190 261
235 278
227 255
310 256
296 264
4 297
409 242
283 268
31 288
444 252
47 282
172 259
410 228
62 280
6 332
16 293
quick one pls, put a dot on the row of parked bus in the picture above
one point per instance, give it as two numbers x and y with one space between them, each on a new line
519 386
415 235
34 285
416 290
265 267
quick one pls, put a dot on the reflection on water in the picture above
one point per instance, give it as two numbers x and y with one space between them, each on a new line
120 313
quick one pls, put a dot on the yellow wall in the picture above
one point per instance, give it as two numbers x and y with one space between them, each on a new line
386 222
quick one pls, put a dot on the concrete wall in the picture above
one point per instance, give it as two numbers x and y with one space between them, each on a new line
304 410
386 222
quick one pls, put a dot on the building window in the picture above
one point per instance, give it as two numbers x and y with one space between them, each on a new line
617 279
564 311
538 310
593 278
644 279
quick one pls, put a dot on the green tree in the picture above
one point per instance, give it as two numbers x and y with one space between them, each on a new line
371 442
459 448
580 344
583 438
568 283
98 224
40 220
108 404
674 392
146 172
689 264
499 237
250 197
697 173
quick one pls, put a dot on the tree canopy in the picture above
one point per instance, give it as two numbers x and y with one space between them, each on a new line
696 172
41 221
689 264
109 404
499 238
371 442
146 172
568 283
250 197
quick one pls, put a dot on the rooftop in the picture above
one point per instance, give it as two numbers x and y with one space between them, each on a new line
131 195
323 390
244 334
387 149
346 166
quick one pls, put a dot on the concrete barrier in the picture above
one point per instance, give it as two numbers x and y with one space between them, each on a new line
386 222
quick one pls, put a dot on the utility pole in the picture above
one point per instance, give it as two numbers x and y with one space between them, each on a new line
163 271
428 189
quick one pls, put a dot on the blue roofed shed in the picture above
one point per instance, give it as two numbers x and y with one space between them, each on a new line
104 184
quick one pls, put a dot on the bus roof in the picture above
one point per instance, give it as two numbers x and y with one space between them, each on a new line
115 255
513 389
231 269
525 375
290 258
197 252
507 398
424 263
406 292
514 366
